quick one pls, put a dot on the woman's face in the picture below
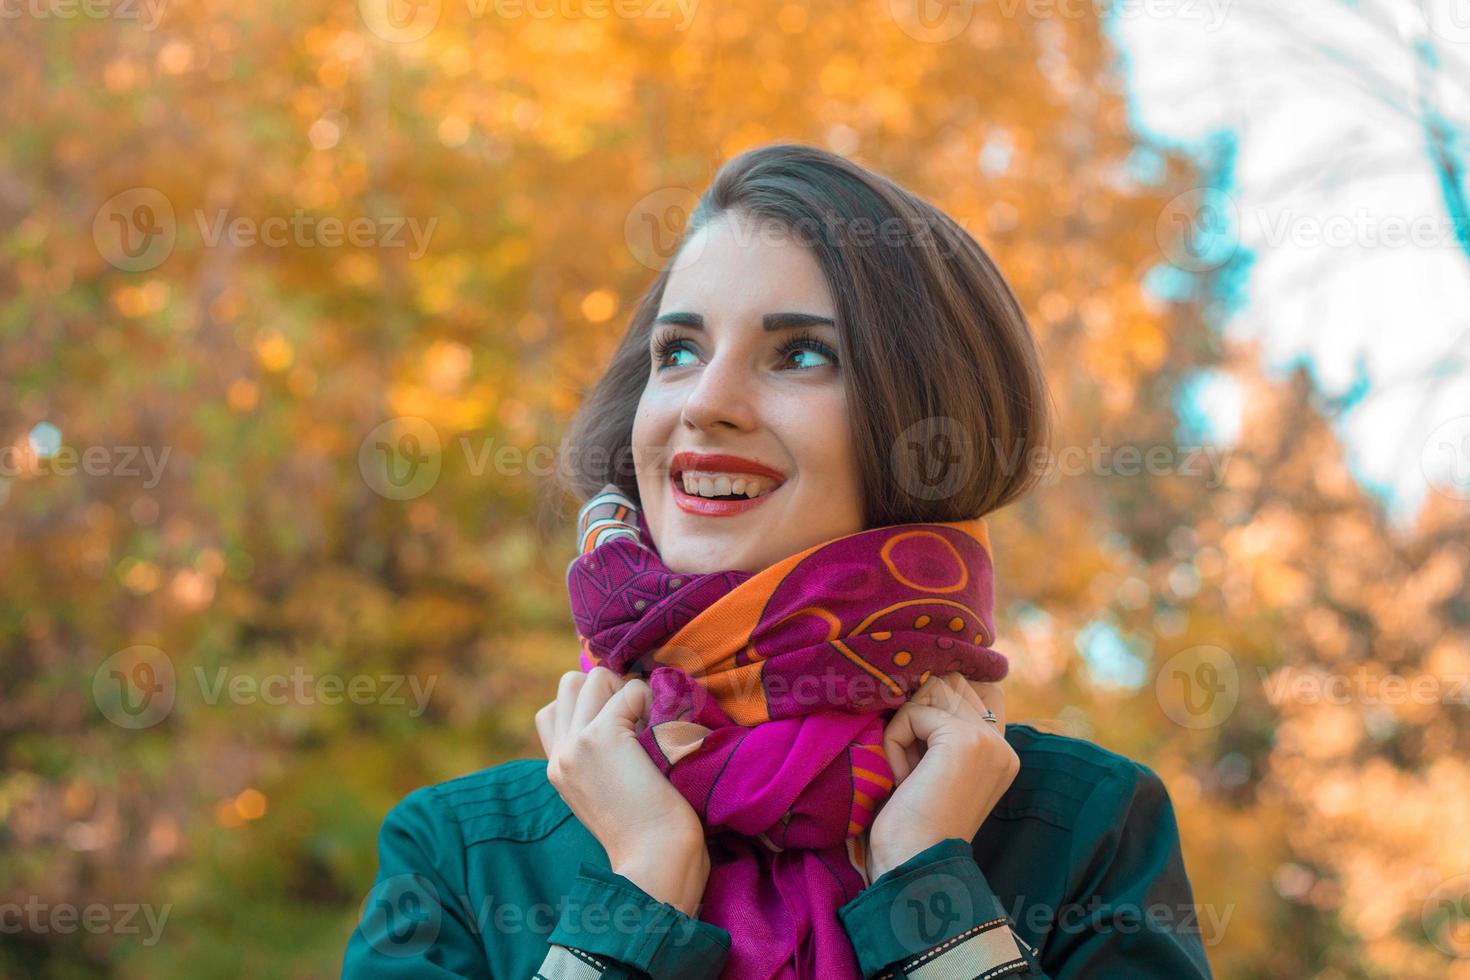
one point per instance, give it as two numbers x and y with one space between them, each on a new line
741 441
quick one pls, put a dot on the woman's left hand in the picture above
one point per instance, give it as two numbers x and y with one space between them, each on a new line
948 786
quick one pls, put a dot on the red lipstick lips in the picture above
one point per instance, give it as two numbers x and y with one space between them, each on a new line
718 463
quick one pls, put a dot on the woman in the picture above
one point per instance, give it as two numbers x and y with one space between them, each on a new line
786 754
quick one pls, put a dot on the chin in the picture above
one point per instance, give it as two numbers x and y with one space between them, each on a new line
693 553
691 559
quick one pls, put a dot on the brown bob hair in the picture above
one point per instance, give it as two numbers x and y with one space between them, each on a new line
945 389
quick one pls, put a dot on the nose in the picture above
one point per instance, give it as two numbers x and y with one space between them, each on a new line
722 398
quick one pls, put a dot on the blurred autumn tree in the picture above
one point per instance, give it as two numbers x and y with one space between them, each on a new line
546 164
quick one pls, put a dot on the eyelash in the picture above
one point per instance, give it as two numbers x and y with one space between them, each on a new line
666 343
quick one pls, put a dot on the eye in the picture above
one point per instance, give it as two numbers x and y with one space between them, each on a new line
803 353
671 351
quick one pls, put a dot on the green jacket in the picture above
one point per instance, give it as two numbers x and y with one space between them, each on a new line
1076 874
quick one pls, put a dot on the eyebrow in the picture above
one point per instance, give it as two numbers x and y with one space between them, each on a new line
771 321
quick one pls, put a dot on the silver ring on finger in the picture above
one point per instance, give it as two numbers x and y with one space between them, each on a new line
990 717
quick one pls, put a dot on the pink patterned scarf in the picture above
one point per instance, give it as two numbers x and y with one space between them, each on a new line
770 695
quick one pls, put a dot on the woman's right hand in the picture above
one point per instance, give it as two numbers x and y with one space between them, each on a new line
651 834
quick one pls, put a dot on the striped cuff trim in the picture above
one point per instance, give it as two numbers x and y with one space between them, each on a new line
565 963
979 953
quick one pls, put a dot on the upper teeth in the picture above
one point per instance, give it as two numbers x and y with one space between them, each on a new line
704 483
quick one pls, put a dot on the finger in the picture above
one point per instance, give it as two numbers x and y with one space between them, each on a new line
974 707
566 699
967 704
949 696
546 727
993 697
895 750
934 692
600 686
626 708
912 723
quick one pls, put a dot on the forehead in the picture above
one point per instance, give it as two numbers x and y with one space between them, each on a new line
742 267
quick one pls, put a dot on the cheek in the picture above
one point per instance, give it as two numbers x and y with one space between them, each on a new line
646 426
828 457
650 438
640 433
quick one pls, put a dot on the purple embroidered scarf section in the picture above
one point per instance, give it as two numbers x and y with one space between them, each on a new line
770 695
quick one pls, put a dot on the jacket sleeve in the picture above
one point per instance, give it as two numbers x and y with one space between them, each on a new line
412 924
611 928
1129 912
934 915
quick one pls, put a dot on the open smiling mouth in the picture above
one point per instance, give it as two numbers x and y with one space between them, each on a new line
715 492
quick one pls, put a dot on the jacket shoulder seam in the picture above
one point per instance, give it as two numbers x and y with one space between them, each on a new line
511 801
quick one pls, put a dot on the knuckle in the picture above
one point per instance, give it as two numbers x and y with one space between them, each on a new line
584 743
567 768
972 739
